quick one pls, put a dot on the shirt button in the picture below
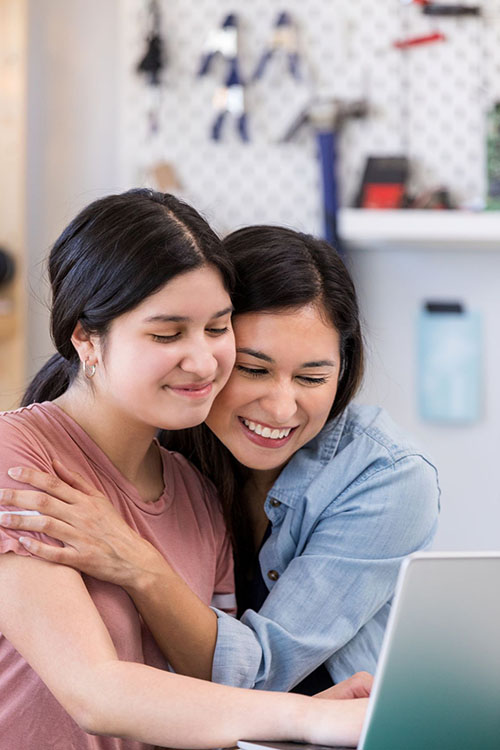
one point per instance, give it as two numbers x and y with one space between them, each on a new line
275 503
273 575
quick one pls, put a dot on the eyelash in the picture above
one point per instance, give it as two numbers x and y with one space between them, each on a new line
257 372
175 336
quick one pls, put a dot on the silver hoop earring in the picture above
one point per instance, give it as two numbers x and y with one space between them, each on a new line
89 370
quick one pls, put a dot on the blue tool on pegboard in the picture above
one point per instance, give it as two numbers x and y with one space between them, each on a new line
284 40
327 117
230 97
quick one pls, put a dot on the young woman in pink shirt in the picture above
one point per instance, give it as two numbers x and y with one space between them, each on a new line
141 319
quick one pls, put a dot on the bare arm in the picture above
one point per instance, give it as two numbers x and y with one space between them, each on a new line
100 543
106 696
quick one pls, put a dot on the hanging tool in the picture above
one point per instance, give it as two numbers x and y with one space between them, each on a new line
284 40
152 63
229 98
328 117
417 41
430 8
438 9
221 42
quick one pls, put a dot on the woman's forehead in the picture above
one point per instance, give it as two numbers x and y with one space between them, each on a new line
301 331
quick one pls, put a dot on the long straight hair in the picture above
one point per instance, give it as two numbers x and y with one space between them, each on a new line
277 269
118 250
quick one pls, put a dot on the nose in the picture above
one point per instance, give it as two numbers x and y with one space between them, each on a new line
279 403
200 361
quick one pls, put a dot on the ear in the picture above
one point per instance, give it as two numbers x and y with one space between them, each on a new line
85 345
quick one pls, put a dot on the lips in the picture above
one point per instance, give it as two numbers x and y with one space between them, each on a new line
192 390
266 435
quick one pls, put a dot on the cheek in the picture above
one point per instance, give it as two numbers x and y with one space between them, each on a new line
226 405
321 405
226 355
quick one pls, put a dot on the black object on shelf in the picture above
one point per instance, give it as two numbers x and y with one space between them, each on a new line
384 182
7 267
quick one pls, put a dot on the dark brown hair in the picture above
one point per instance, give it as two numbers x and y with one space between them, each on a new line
277 269
114 254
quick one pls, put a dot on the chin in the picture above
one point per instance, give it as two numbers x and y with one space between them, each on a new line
259 464
184 421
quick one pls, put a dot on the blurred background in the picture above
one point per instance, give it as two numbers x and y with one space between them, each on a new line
375 125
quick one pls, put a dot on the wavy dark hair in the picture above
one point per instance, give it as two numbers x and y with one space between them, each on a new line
114 254
277 269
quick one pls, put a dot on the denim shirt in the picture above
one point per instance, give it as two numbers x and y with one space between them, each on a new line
345 511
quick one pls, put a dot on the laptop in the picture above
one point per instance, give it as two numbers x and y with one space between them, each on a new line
437 685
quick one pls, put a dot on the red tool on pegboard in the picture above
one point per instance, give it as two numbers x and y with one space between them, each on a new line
416 41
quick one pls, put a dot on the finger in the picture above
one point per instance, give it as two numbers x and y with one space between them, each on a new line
36 501
47 482
364 682
60 555
73 478
42 524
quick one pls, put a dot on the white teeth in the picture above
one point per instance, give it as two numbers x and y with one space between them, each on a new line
267 432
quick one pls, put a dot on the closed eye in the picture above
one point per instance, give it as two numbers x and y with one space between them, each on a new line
165 339
217 331
254 372
312 381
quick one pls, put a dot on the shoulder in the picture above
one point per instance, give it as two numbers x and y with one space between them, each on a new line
24 436
199 488
21 425
373 428
362 450
372 453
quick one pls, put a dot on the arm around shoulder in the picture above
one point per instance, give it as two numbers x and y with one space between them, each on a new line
49 611
350 559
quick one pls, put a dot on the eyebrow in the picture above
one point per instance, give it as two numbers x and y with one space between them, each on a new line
266 358
184 318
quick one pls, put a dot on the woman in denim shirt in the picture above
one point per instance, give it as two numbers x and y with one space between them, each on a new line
324 498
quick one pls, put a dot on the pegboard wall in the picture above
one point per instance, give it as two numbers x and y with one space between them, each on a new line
428 103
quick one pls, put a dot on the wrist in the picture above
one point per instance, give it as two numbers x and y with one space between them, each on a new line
342 719
145 576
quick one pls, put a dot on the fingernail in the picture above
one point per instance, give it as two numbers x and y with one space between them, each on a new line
5 494
25 541
15 472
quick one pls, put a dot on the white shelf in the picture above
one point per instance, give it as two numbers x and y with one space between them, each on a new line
457 229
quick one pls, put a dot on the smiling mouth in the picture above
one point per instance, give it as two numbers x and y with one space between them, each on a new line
192 390
265 435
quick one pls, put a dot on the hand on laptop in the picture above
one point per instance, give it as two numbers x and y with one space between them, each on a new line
357 686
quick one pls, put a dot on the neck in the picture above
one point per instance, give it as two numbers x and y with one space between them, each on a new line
128 445
260 482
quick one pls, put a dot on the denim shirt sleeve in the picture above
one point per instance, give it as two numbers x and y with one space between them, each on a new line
331 601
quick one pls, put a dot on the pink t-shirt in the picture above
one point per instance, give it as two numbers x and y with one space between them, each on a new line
185 524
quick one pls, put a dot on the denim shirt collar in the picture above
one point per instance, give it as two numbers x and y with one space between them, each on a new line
290 486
